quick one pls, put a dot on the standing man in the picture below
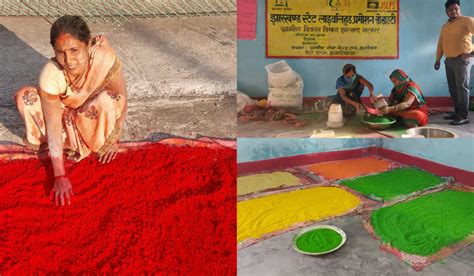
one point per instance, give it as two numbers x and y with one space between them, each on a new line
455 43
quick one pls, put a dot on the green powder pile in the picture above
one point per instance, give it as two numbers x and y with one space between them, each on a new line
425 225
318 240
379 120
392 184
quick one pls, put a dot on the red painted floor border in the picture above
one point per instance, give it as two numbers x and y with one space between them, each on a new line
281 163
430 101
12 151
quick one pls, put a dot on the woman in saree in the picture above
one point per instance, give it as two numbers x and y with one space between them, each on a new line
349 88
406 101
80 104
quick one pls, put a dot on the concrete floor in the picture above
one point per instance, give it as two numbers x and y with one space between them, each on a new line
353 128
360 255
180 73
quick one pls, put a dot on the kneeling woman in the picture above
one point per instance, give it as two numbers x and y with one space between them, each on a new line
406 101
80 104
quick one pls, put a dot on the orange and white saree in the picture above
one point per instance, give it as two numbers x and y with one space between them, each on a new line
90 109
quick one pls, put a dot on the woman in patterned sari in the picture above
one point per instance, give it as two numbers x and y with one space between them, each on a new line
406 101
80 104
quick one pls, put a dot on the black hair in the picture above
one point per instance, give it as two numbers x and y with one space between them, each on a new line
70 24
450 2
348 67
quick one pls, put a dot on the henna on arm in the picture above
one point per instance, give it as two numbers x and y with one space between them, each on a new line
118 85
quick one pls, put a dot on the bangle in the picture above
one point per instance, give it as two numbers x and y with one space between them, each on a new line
60 177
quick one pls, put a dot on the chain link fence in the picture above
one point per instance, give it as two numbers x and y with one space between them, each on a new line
117 10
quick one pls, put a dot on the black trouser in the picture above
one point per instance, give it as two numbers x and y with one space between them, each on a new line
458 75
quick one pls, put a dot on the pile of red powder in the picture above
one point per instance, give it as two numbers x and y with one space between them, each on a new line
156 209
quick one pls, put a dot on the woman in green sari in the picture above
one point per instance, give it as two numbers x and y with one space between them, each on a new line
406 101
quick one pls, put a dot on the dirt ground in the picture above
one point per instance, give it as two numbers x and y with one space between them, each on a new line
180 73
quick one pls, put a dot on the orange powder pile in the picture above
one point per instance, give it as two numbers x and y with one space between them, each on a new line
349 168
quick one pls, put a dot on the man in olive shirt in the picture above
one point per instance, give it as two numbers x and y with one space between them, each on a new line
455 43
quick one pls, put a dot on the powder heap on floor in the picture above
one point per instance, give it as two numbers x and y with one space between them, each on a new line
158 209
349 168
261 216
393 184
260 182
425 225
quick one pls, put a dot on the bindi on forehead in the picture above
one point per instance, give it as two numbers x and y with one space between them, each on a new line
67 41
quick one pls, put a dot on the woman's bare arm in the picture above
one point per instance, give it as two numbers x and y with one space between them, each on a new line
409 98
346 99
369 86
51 106
118 85
407 102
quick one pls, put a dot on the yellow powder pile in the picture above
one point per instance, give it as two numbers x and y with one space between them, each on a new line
264 181
261 216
